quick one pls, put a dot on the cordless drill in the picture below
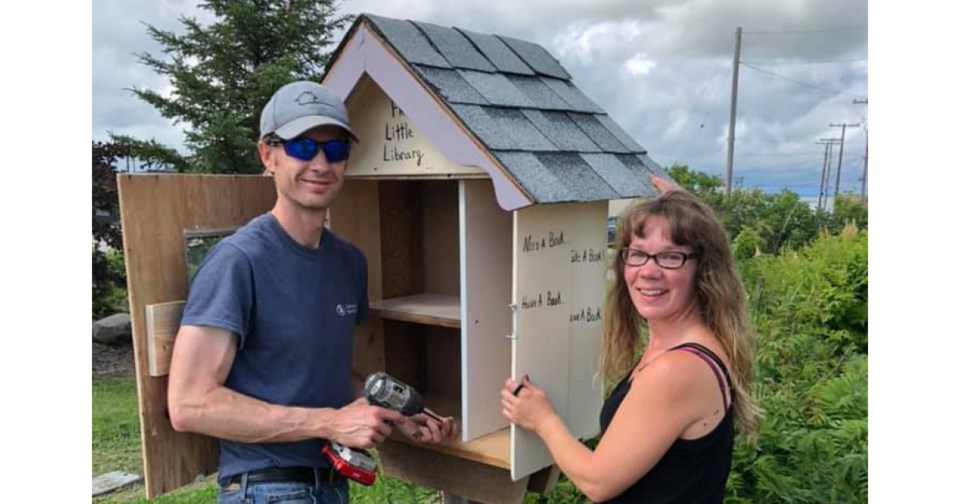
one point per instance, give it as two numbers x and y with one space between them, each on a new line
388 392
385 391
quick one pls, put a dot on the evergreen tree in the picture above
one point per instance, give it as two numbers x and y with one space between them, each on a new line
223 74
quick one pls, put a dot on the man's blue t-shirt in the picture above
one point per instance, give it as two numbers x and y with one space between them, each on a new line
293 309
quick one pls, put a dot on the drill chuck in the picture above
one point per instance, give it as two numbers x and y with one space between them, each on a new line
386 391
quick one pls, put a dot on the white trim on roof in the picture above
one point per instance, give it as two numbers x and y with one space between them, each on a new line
365 53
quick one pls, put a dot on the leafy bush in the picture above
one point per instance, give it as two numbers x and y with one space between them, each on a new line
810 310
109 279
782 221
746 244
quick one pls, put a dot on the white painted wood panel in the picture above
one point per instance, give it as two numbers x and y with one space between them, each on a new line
588 264
557 343
485 245
390 143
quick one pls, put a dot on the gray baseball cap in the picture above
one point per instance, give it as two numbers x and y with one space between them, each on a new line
300 106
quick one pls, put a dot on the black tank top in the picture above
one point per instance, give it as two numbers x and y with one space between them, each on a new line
692 470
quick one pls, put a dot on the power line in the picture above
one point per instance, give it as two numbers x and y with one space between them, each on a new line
796 32
810 62
773 154
702 98
832 91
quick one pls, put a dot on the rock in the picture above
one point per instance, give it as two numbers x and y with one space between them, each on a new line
113 330
114 480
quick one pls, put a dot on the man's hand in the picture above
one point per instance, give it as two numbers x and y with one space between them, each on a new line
426 429
360 425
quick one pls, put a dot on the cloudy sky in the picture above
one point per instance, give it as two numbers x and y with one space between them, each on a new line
661 68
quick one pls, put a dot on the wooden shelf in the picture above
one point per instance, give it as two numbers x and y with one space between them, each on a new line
430 309
492 449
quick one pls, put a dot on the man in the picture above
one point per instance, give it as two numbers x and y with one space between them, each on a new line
262 357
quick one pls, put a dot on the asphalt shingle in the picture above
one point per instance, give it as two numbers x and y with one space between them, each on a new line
653 166
498 53
496 89
577 176
503 128
536 57
542 96
410 42
451 86
573 96
518 101
598 133
538 180
627 180
455 48
618 132
558 127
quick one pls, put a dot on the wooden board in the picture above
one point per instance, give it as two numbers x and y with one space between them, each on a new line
155 210
441 246
392 145
405 352
401 238
485 245
163 322
452 474
355 216
443 363
559 261
492 449
433 309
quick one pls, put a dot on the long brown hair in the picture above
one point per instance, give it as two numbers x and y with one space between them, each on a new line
719 291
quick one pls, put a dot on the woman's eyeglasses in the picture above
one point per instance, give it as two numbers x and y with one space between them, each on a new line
666 260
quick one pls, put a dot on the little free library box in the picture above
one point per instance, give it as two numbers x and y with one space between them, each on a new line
478 194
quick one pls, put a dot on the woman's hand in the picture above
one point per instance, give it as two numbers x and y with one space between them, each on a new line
529 408
427 429
663 185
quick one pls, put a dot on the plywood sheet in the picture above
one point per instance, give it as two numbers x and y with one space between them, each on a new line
485 242
155 210
558 287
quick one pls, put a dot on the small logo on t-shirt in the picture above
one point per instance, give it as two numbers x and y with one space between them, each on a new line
348 309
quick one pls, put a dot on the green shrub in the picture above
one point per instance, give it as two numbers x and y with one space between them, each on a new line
809 307
746 244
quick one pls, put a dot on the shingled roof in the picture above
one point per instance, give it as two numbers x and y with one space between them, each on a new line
519 101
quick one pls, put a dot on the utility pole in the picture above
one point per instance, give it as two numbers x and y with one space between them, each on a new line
825 174
733 113
843 133
866 149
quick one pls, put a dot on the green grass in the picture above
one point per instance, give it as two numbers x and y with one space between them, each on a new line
116 446
116 429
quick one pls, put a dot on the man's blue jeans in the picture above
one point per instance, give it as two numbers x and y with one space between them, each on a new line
295 492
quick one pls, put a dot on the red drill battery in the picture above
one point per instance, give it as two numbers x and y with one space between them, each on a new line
352 463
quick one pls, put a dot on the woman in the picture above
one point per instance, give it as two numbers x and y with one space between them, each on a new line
667 428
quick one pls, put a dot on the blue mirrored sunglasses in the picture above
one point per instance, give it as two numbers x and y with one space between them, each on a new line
305 149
